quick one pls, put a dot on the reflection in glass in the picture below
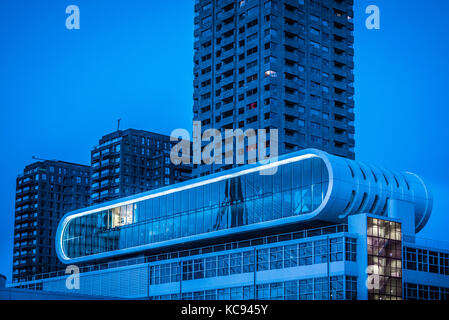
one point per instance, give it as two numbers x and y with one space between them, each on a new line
296 189
385 259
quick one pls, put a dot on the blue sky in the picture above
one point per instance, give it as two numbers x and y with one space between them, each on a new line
61 90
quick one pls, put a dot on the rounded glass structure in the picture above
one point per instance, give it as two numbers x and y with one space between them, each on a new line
298 187
220 203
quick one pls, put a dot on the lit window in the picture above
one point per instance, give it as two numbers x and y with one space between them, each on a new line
271 73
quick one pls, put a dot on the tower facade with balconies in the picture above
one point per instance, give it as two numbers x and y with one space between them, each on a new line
280 64
45 191
132 161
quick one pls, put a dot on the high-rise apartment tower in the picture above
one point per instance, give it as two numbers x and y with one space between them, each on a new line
45 191
280 64
132 161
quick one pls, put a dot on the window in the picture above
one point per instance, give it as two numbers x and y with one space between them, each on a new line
199 269
351 288
291 290
211 267
423 263
276 255
336 249
262 259
444 263
263 292
320 251
236 263
433 262
223 265
175 272
305 253
291 256
351 249
165 273
236 293
410 258
187 270
306 289
248 261
271 73
276 291
336 288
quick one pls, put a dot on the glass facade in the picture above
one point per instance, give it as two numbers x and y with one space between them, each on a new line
297 188
414 291
332 288
385 259
426 260
248 261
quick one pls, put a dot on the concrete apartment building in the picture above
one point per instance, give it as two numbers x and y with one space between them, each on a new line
282 64
132 161
45 191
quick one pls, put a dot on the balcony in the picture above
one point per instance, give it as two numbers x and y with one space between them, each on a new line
227 41
293 97
226 15
343 18
291 83
226 81
291 28
105 163
342 45
227 27
228 54
341 32
291 55
227 94
292 42
340 58
341 85
342 6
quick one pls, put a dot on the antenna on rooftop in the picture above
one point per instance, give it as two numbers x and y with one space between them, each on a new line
118 124
40 159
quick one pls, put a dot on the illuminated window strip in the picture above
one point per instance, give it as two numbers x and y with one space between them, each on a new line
198 184
183 188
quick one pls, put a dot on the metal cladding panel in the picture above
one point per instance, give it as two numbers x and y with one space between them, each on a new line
360 188
124 282
423 199
57 285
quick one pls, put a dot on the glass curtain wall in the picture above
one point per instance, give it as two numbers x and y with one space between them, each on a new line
296 188
384 259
